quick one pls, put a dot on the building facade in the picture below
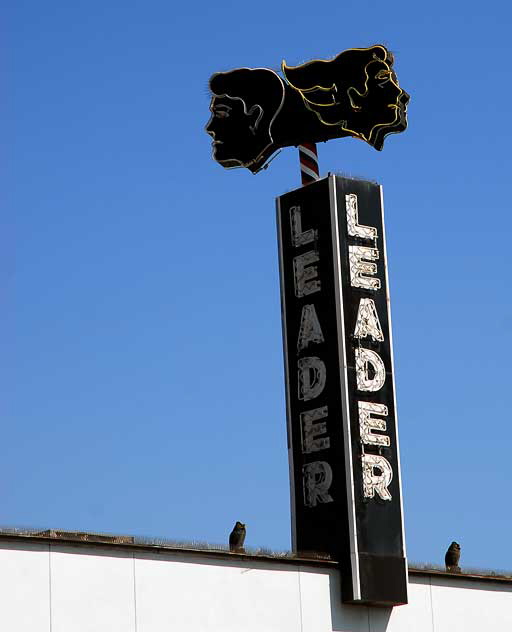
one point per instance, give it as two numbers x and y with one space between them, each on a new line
50 584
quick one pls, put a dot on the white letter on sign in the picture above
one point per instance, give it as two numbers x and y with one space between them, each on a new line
367 423
367 321
310 330
304 273
361 271
300 238
316 480
365 357
311 430
354 228
312 375
376 482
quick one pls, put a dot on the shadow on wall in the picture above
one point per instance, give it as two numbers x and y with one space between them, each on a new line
347 618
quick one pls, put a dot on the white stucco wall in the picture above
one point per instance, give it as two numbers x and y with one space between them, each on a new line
58 587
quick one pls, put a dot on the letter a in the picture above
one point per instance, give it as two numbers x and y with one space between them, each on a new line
367 321
310 330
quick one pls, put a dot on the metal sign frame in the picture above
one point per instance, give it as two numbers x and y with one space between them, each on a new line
341 408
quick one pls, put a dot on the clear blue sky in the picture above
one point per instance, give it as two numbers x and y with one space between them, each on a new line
142 369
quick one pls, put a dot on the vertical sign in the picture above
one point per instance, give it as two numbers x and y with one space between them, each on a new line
341 412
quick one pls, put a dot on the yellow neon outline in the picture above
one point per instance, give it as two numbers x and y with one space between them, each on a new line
214 96
396 107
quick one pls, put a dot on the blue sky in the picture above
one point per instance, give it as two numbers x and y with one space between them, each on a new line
142 363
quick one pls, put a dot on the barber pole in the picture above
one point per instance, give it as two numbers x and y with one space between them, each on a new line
308 158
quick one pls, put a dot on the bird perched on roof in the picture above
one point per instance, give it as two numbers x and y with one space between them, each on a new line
452 557
237 538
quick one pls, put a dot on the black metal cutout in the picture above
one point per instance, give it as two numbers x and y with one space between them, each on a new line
255 111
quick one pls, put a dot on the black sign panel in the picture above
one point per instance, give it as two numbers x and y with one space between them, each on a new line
255 111
343 443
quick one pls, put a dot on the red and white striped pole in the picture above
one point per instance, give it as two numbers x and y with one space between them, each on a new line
308 163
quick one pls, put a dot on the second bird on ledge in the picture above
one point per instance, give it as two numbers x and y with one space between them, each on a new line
237 538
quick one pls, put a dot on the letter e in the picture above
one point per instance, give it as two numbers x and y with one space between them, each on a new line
311 430
305 274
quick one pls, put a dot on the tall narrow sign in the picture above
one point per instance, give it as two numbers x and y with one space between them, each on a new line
341 411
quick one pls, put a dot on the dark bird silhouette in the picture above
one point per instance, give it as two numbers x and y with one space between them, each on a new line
452 557
237 538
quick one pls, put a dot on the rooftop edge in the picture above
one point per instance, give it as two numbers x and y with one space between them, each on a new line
195 549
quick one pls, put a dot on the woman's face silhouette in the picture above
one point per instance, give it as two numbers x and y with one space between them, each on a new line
378 107
356 92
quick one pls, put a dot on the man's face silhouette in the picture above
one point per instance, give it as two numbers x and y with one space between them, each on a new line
234 130
244 105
